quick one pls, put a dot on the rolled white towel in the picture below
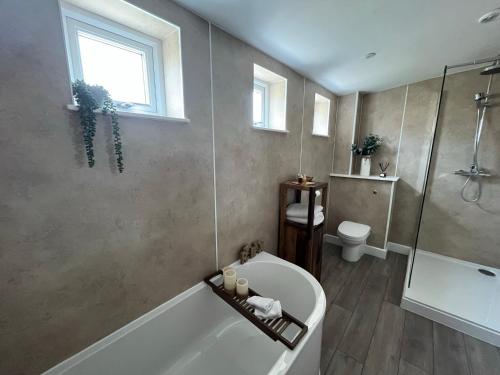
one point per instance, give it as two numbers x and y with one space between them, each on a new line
273 313
318 219
300 210
261 303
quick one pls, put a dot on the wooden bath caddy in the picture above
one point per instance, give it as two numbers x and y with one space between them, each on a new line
274 328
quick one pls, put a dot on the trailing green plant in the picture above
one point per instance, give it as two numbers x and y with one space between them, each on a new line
371 144
109 107
91 98
86 107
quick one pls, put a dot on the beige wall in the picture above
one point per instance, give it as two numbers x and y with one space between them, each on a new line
344 133
317 151
361 201
404 118
382 114
84 251
249 163
416 138
451 226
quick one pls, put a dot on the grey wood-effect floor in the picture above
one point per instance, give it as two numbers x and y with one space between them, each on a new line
366 332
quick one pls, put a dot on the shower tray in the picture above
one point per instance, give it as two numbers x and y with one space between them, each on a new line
459 294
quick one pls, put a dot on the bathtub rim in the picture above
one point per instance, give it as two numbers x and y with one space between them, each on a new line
281 365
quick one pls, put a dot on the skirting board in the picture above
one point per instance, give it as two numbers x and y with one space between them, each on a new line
444 318
367 249
398 248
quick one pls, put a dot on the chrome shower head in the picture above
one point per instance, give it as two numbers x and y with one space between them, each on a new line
479 96
491 69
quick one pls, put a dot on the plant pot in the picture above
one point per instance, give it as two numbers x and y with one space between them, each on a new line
366 164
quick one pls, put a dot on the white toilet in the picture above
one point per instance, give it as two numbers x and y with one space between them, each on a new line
353 236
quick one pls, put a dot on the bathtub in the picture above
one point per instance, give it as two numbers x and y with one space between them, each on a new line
196 332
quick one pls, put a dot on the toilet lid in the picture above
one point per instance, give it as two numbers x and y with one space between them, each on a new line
354 230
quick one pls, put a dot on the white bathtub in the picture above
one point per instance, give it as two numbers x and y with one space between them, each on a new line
197 332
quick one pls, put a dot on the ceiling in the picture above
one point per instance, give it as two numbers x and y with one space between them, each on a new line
327 40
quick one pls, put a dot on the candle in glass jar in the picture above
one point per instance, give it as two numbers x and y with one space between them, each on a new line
229 280
242 287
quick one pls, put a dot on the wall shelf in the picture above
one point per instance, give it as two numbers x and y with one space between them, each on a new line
374 177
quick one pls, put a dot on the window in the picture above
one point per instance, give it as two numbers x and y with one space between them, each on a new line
128 51
260 104
269 100
321 115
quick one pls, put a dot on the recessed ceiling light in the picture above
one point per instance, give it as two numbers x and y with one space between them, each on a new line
370 55
490 16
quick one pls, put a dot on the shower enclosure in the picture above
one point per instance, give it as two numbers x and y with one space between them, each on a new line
454 268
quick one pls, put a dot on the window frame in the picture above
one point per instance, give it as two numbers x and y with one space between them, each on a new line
323 99
263 87
78 21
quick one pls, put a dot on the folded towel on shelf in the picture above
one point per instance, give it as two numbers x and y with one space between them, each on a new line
318 219
273 313
261 303
300 210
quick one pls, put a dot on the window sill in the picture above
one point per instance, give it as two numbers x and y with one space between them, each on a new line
73 107
321 135
270 129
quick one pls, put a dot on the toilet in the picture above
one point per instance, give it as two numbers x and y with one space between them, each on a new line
353 236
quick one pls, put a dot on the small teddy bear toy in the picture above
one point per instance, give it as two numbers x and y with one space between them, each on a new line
253 249
260 245
244 254
250 250
256 247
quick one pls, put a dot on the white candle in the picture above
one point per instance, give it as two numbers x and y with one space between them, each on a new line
229 280
242 287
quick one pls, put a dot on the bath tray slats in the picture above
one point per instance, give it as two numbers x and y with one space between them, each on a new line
274 328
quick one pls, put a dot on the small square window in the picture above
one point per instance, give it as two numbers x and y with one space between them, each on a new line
321 115
124 61
269 100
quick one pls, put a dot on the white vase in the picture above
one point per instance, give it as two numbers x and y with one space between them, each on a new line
366 163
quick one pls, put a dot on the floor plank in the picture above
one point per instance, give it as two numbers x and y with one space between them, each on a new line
366 337
449 352
385 348
349 295
406 368
344 365
417 346
331 257
484 359
335 323
357 338
335 281
384 266
396 280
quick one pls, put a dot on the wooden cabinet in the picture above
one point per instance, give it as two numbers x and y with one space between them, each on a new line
302 244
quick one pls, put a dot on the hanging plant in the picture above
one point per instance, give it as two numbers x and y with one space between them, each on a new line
91 98
109 107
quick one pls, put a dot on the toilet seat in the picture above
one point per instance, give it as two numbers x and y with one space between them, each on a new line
353 231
